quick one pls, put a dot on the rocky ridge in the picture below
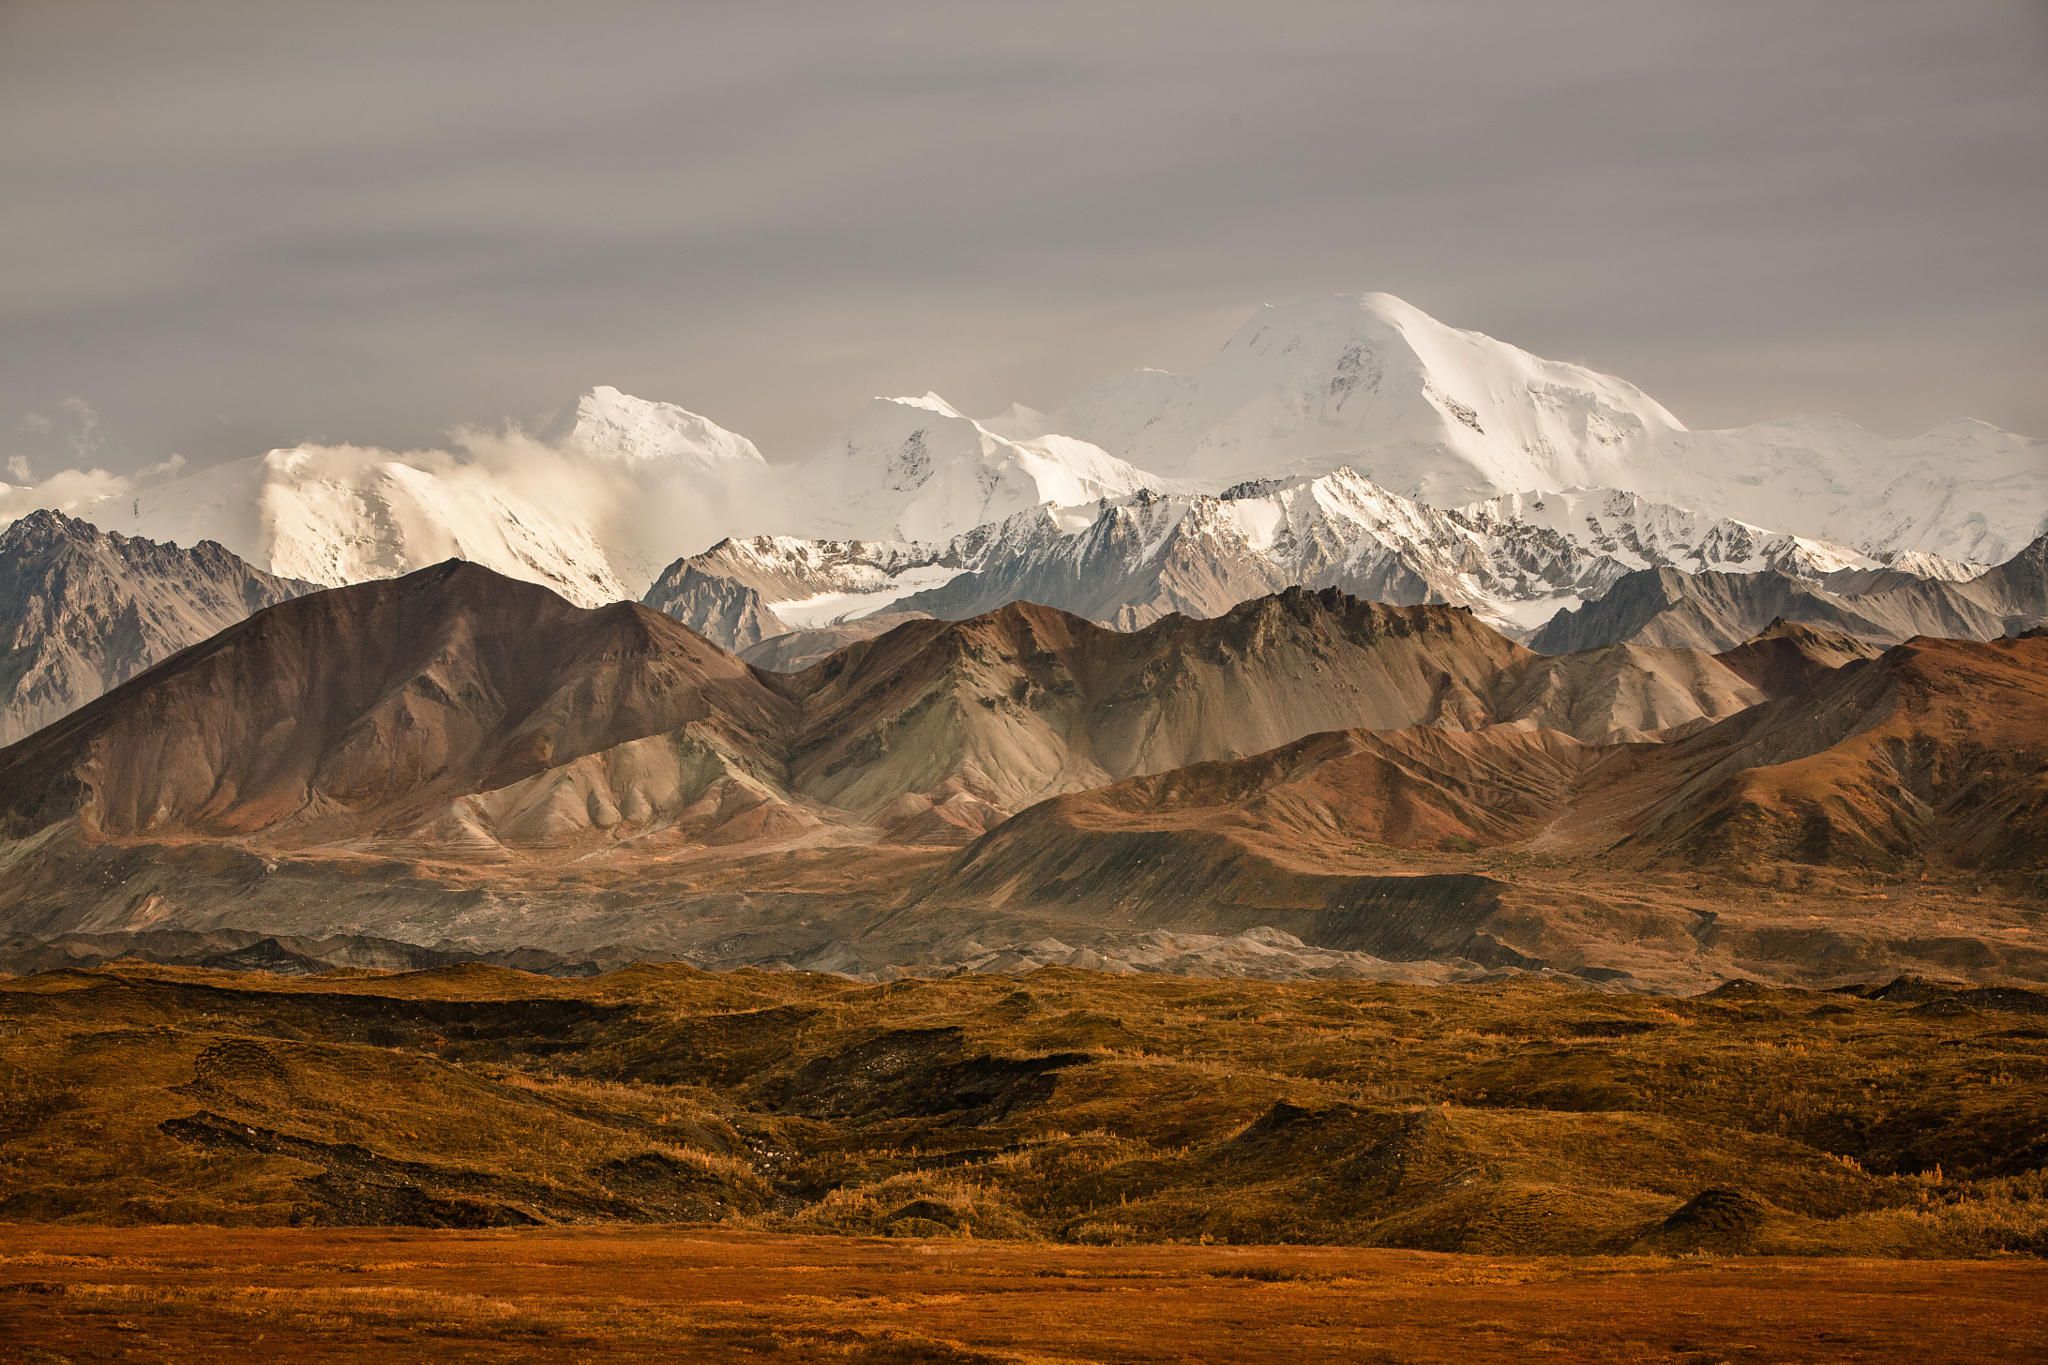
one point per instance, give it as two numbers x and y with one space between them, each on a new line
83 610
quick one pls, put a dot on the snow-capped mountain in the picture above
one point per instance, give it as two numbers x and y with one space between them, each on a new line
1425 410
592 515
1451 417
344 514
1450 429
1126 561
1965 491
657 476
595 511
618 425
743 591
1131 561
916 469
1646 534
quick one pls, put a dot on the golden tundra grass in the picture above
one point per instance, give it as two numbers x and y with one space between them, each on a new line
711 1294
1060 1107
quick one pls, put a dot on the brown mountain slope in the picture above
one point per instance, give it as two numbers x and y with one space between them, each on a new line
1620 692
369 761
463 710
796 650
1936 752
1928 761
1328 804
451 696
1302 840
1787 657
1027 701
987 715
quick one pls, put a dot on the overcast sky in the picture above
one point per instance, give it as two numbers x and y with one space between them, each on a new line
228 227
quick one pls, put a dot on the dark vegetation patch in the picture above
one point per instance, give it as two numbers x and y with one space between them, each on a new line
1719 1220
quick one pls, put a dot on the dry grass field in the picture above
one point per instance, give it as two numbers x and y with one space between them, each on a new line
206 1294
664 1163
1524 1118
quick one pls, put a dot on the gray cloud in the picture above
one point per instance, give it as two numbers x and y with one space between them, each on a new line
374 222
82 430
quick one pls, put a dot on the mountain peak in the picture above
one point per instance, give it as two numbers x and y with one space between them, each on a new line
917 469
45 526
1424 409
929 401
1353 314
619 426
1789 655
1419 412
83 610
389 704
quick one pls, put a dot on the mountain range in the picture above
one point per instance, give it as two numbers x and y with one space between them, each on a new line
1129 561
1715 610
1374 647
469 763
595 505
1327 445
